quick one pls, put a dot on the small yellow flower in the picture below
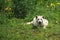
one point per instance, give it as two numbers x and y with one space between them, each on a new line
58 3
9 8
6 8
52 4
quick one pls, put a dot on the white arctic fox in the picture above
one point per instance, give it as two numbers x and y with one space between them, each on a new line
39 21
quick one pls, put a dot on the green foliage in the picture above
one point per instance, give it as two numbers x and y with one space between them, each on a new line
1 5
23 7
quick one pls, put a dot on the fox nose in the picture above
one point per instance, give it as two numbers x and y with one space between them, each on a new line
39 22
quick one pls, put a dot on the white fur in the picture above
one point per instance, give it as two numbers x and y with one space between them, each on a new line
36 20
44 23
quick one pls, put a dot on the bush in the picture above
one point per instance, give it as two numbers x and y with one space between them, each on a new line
23 7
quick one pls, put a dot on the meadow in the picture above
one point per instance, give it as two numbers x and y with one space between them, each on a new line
15 14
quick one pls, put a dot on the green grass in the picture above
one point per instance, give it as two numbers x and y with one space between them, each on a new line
16 29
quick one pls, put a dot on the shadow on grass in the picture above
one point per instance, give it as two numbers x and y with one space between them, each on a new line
34 27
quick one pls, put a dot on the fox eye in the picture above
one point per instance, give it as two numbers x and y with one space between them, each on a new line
38 19
41 19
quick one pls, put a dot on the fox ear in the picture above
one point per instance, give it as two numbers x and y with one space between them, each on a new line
36 16
43 17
